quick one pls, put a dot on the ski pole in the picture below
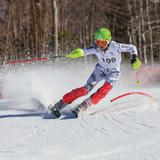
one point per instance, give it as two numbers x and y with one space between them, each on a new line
58 57
137 78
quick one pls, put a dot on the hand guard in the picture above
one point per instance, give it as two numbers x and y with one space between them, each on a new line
135 62
77 53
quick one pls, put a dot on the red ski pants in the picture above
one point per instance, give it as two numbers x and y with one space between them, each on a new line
82 91
101 93
74 94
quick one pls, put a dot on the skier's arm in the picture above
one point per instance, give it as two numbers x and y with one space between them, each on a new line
78 52
135 62
128 48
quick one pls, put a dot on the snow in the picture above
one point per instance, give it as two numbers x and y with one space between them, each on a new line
126 129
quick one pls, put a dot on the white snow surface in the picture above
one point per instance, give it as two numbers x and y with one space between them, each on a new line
127 129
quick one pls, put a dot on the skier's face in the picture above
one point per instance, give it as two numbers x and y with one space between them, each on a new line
102 44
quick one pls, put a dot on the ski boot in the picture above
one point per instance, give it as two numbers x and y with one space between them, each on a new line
75 112
55 110
81 107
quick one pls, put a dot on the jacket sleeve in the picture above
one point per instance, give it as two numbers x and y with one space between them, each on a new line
90 50
128 48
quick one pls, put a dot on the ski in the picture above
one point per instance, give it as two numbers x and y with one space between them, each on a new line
57 114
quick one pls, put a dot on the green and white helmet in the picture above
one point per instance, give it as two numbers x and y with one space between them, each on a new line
103 34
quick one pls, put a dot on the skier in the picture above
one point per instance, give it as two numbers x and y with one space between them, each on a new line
108 53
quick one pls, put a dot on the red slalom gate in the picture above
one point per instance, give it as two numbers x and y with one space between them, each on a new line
131 93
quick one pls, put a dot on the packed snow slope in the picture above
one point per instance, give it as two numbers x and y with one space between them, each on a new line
128 128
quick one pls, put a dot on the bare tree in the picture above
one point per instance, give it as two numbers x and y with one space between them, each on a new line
33 28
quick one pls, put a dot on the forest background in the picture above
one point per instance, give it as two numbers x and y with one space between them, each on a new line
52 28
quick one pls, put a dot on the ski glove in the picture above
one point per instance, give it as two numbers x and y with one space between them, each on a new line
77 53
135 62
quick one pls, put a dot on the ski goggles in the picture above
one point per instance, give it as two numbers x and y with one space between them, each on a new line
102 43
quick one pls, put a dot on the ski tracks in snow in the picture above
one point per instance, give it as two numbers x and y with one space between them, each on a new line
103 135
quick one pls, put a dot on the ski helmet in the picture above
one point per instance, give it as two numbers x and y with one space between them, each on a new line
103 34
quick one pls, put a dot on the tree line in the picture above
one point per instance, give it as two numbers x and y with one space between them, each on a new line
40 28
